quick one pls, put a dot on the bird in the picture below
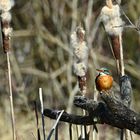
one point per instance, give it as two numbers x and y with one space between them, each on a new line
104 80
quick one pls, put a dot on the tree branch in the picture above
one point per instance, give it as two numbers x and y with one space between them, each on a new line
110 111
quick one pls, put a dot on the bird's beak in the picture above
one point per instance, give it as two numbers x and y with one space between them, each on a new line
99 70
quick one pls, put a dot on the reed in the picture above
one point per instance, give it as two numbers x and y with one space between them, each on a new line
5 7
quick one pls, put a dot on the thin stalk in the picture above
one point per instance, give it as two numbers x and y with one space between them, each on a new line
70 131
42 114
37 122
122 72
56 133
126 16
121 56
83 135
11 98
55 125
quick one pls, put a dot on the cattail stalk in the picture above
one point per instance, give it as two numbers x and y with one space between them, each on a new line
121 57
5 6
11 98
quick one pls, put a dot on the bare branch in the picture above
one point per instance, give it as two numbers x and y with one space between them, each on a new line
111 112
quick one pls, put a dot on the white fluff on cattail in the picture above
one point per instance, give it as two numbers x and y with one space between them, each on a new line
6 16
111 19
118 1
7 31
80 68
80 51
6 5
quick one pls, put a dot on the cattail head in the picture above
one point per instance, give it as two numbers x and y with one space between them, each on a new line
80 69
6 16
111 19
7 31
109 3
80 32
80 51
6 5
116 46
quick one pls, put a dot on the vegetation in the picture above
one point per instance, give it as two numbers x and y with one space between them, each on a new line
41 56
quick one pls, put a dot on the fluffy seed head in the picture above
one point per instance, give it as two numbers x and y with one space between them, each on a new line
80 52
80 69
6 5
109 3
7 31
80 32
6 16
111 19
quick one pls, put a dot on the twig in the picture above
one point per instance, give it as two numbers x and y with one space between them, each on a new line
55 125
37 122
42 115
33 135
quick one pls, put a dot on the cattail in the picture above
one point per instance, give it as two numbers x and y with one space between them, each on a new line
5 6
110 16
80 51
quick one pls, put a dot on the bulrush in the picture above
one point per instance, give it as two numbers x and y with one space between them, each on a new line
5 6
110 16
80 52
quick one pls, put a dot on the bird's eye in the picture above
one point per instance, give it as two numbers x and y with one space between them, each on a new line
106 72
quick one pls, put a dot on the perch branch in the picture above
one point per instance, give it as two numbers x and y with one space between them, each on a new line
111 112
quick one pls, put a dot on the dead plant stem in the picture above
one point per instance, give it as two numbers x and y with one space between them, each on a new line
42 114
121 56
11 97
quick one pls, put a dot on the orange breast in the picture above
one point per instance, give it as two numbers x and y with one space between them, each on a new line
104 83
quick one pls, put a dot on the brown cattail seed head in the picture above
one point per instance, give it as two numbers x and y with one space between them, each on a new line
82 80
80 34
5 6
116 46
6 32
6 44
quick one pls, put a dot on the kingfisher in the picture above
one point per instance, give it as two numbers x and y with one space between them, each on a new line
104 80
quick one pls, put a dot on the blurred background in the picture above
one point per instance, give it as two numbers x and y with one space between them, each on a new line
41 56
